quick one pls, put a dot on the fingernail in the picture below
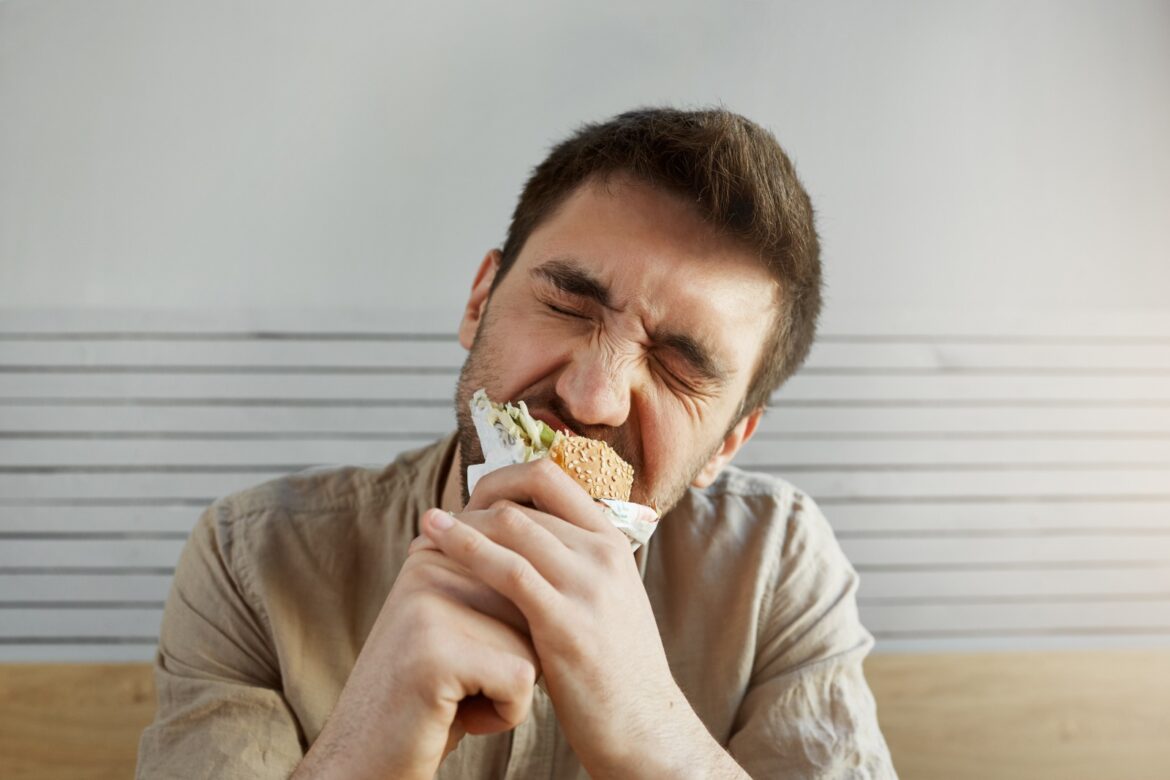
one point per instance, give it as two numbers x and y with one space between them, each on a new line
441 520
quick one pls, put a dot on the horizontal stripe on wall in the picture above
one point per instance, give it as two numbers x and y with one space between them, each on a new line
998 482
940 552
1118 580
1036 518
423 350
802 454
929 423
1136 617
167 483
414 385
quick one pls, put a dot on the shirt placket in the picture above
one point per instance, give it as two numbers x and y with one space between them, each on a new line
534 741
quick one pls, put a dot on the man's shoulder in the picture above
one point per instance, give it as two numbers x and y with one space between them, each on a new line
749 514
316 489
754 498
326 495
736 481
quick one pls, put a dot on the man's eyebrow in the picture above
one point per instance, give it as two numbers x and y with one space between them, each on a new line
697 356
569 277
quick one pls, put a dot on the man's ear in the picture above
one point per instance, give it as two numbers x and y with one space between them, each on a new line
735 438
477 301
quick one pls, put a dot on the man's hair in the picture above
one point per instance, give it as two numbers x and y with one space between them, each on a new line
742 184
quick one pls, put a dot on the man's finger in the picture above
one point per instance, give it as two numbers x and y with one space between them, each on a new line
507 685
504 570
420 543
454 581
540 539
492 664
543 485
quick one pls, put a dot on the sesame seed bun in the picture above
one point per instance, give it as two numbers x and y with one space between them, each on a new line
594 465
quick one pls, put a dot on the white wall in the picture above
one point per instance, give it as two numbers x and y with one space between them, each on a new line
1007 154
985 418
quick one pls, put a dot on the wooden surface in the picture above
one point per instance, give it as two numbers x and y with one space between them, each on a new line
63 721
1066 715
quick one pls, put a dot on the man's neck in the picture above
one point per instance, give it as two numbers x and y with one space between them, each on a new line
451 497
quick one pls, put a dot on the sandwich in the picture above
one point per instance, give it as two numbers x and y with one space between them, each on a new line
508 434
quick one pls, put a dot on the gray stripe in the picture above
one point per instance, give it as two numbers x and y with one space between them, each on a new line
340 370
281 335
51 605
256 335
792 468
1152 498
168 571
201 369
804 468
438 403
159 468
90 536
229 435
1011 566
1075 598
1001 533
407 403
1017 632
107 502
78 640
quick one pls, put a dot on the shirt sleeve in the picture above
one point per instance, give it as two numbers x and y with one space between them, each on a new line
221 713
808 711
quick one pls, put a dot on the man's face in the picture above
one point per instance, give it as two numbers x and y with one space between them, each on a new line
628 319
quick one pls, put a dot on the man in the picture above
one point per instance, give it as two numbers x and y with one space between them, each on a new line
659 280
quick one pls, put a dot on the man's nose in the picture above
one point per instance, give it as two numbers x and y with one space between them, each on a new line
595 388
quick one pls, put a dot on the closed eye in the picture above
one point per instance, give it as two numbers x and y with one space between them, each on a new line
673 376
566 312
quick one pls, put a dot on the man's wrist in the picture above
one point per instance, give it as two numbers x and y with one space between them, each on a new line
676 744
691 751
348 748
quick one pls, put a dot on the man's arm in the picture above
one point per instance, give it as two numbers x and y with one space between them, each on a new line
808 711
221 711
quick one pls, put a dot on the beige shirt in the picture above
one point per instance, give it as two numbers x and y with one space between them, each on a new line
278 587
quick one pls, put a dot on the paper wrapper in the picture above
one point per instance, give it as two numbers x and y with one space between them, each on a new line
636 521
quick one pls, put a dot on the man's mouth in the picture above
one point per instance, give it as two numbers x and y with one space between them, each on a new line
552 421
615 440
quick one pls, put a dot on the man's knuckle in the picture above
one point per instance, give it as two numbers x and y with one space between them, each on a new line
512 519
471 544
430 655
519 574
524 674
611 555
546 469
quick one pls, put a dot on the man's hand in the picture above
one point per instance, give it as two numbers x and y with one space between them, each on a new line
435 666
533 535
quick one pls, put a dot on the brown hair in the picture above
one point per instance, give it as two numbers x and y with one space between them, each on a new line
740 180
